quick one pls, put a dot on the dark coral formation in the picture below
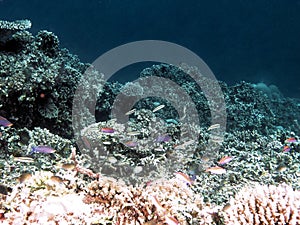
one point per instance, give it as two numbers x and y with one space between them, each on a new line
38 80
13 35
248 107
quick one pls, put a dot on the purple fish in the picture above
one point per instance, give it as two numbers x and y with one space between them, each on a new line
107 130
42 149
4 122
131 144
286 148
163 138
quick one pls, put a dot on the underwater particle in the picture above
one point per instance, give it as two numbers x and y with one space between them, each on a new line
24 177
138 169
184 177
4 122
216 170
23 159
106 142
42 149
107 130
158 108
286 148
170 220
42 95
214 126
225 160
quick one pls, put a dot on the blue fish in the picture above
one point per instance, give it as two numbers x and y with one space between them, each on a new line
42 149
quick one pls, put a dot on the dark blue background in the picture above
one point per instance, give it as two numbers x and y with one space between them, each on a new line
255 40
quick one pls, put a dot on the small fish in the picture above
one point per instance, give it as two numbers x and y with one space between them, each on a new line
170 220
107 130
106 142
291 140
225 160
24 177
281 168
184 177
214 126
172 121
4 122
131 144
184 145
57 179
286 148
68 166
133 133
217 139
226 207
163 138
23 159
216 170
130 112
42 149
158 108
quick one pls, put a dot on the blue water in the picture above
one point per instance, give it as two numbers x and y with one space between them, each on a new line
256 41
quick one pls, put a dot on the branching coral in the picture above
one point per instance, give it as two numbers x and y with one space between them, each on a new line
264 205
158 202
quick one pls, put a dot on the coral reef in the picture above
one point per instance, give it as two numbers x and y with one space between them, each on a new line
264 205
160 199
38 79
9 31
66 197
121 170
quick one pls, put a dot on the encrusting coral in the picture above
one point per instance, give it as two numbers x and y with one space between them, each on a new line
264 205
